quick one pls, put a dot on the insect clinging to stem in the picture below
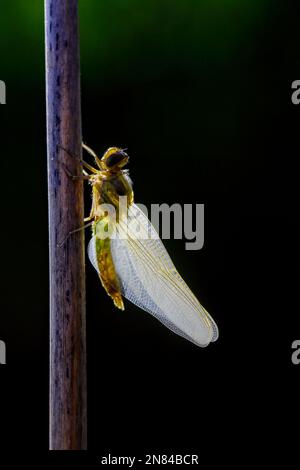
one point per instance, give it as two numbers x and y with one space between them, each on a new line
137 266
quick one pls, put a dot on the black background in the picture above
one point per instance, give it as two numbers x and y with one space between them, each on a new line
219 129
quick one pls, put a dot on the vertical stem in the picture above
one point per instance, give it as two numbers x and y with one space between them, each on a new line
67 274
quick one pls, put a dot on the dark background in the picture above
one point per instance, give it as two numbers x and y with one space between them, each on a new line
200 94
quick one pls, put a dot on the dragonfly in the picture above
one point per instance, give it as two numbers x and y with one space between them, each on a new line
134 264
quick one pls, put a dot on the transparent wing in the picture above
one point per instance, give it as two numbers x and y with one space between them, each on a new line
149 279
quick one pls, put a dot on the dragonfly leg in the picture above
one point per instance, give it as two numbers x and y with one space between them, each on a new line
89 167
90 217
85 176
91 152
59 245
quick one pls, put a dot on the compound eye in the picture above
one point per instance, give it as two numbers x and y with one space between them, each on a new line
114 159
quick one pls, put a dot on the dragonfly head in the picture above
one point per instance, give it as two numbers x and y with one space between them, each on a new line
114 159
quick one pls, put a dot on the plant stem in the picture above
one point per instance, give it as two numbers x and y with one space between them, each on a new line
67 272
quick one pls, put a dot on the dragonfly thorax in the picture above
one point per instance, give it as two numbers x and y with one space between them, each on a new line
111 188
